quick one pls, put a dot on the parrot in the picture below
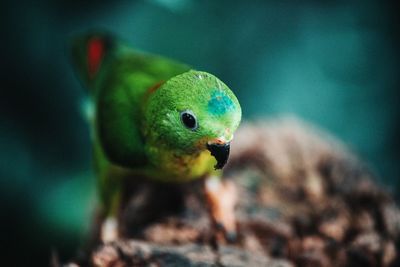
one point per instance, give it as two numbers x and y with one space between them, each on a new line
157 118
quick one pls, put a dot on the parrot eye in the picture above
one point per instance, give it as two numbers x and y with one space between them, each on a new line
189 120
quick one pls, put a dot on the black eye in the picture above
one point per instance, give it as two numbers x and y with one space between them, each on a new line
189 119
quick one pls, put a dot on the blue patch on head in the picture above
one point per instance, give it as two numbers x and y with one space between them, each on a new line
220 103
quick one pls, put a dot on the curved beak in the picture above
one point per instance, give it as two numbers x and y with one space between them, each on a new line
220 150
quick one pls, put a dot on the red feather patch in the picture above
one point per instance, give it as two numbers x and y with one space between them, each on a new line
95 55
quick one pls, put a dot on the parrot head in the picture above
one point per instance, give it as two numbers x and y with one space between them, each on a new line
193 112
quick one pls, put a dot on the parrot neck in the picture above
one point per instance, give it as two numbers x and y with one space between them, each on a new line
172 166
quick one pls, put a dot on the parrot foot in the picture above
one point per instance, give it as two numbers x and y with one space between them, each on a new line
109 230
221 197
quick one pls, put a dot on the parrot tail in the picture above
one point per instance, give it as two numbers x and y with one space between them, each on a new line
90 53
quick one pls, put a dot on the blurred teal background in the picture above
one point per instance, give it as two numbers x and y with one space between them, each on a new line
333 63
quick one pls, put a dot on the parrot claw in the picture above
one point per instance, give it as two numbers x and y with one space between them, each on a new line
109 230
221 197
231 237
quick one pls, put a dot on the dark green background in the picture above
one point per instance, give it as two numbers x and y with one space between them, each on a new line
333 63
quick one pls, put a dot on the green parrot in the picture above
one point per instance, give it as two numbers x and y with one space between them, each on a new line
157 118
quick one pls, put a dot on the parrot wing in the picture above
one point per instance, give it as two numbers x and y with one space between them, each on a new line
89 53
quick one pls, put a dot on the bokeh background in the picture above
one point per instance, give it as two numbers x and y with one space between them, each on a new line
332 63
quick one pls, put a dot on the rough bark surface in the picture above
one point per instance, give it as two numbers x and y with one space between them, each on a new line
304 200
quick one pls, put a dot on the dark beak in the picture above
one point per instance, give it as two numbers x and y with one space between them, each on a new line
220 153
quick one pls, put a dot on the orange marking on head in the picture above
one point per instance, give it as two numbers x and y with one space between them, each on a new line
95 54
152 89
155 87
219 140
